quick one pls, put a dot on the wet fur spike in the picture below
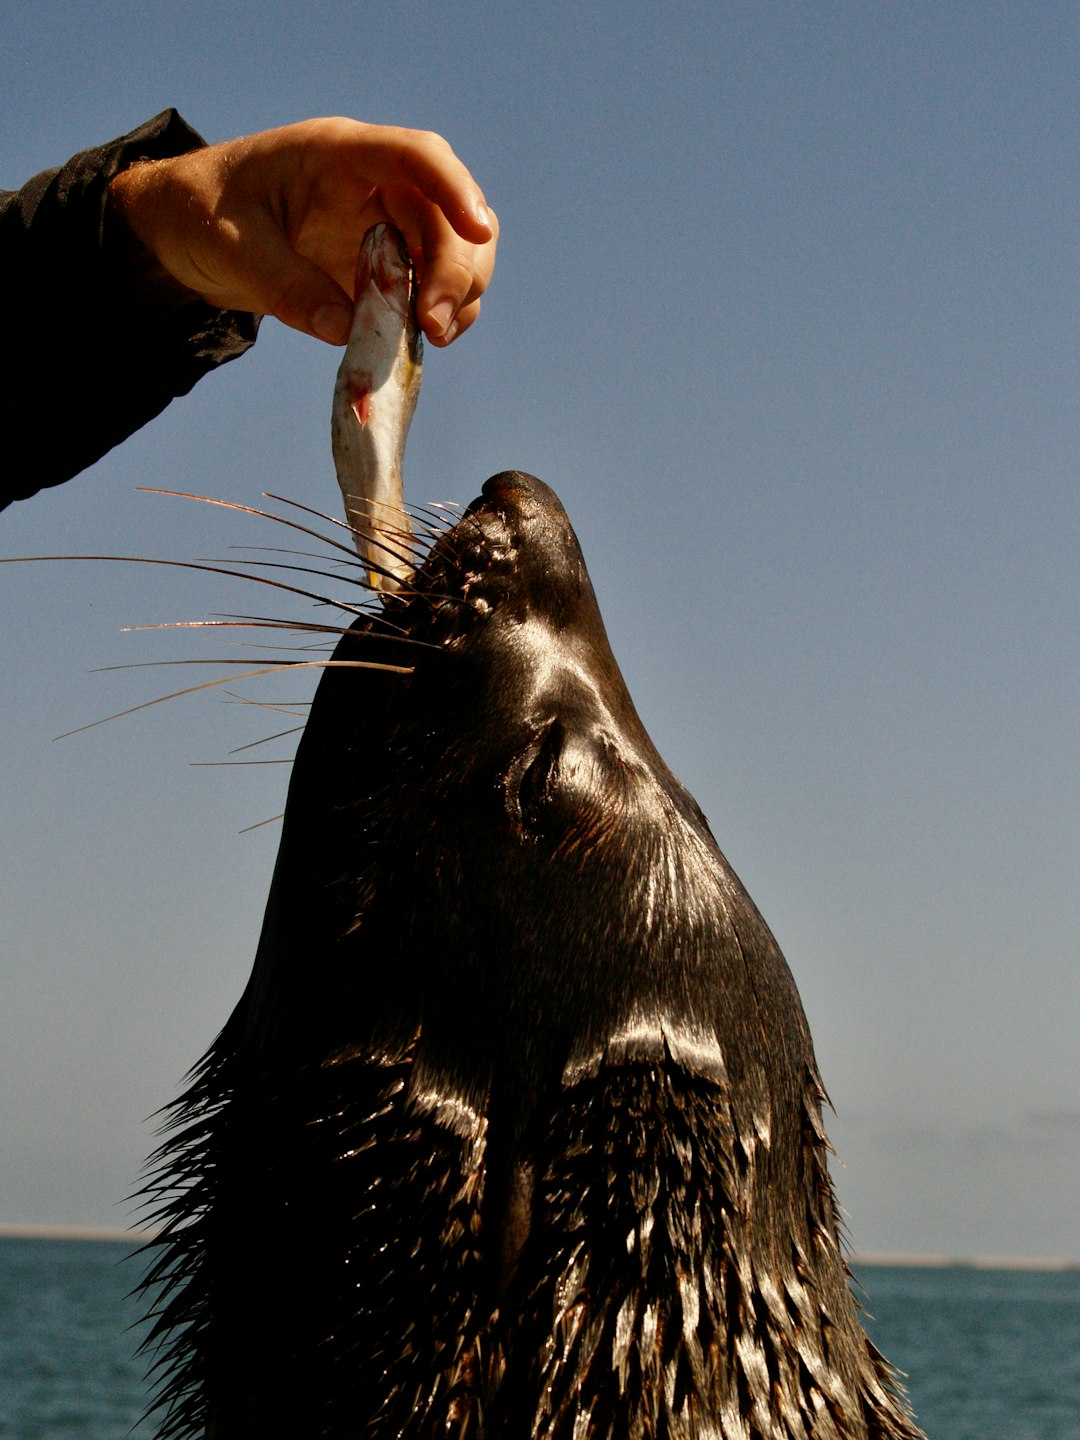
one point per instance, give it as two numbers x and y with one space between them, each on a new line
516 1131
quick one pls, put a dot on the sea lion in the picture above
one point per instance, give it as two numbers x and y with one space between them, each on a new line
516 1130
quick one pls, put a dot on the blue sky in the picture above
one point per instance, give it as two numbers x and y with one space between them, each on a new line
786 312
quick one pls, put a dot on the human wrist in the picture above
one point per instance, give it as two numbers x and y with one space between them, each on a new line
133 206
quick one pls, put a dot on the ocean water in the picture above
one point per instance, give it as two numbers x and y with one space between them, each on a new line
67 1367
989 1354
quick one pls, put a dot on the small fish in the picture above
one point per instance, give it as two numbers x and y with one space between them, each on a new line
374 398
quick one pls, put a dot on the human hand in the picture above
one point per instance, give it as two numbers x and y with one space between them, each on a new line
272 223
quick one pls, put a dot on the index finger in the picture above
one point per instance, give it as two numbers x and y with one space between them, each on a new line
387 155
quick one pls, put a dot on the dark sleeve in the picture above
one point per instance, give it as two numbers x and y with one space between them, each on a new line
89 360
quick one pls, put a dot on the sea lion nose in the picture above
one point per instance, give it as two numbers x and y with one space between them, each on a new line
517 490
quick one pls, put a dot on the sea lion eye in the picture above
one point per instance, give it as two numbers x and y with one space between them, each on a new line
531 782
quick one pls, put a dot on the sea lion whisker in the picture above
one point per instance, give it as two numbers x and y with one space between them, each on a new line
212 684
432 599
434 524
411 513
360 581
215 764
193 565
219 660
441 522
318 514
280 707
413 546
256 645
237 622
266 739
344 561
403 537
398 534
317 627
384 572
379 623
261 514
380 512
435 598
393 547
426 538
260 823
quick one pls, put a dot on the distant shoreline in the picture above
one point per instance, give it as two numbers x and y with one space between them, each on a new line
134 1236
964 1262
137 1236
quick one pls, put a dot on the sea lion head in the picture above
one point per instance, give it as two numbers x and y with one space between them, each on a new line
555 890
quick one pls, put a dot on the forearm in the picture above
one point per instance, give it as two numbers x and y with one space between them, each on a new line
99 339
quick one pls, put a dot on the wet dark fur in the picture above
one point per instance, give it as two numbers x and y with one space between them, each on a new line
516 1131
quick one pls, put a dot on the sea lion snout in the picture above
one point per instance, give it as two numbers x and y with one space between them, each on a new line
534 566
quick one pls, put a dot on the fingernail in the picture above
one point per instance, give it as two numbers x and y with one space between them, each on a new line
441 316
450 332
332 323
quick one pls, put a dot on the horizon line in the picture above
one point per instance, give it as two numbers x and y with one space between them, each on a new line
900 1259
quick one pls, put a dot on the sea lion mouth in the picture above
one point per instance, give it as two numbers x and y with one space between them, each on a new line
512 554
537 556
